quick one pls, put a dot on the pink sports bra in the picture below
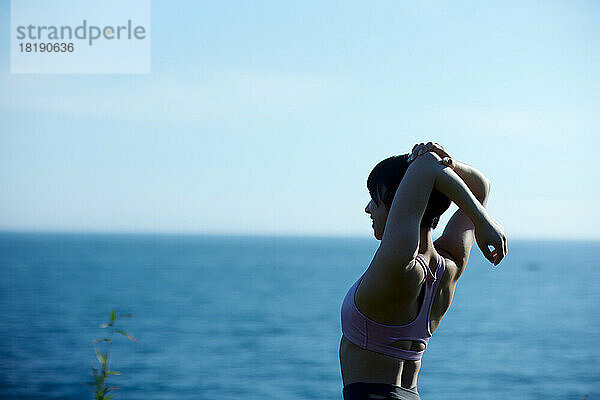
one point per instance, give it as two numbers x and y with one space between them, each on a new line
371 335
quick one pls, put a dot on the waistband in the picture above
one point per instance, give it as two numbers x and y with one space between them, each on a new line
363 390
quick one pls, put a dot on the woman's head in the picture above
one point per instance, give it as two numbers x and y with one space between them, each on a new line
382 183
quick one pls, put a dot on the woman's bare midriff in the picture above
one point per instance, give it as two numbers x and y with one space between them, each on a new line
361 365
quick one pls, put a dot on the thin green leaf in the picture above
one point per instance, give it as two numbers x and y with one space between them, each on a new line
113 316
114 373
102 340
127 335
100 357
109 397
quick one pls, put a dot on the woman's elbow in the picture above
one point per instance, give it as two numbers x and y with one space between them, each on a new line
485 191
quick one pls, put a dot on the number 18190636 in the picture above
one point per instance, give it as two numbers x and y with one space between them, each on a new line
47 47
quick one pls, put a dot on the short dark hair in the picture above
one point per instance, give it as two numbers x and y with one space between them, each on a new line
388 174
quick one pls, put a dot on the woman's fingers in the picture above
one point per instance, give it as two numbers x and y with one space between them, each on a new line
499 251
496 258
492 250
422 148
488 254
491 240
413 154
416 148
439 149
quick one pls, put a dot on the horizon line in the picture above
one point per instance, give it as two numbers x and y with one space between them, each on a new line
257 234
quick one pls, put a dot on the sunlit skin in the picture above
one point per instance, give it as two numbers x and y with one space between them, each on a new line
389 301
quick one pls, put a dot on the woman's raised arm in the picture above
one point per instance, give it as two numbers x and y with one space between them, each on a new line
400 241
459 233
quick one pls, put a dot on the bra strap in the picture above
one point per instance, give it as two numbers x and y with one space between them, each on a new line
429 276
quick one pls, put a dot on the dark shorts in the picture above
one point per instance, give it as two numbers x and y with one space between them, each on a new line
381 391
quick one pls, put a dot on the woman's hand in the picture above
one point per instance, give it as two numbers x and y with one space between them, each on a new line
489 233
422 148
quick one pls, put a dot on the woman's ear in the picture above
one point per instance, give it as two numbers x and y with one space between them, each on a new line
382 193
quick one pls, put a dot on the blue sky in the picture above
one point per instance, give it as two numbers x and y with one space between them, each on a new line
267 117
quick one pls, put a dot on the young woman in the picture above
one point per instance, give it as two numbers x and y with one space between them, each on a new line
389 314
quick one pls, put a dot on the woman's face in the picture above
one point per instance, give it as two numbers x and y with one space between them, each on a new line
378 214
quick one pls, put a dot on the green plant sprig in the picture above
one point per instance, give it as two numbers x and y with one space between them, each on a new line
101 389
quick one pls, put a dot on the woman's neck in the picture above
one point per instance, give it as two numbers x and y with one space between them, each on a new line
426 242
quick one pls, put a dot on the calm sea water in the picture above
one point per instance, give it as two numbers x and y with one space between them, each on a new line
259 318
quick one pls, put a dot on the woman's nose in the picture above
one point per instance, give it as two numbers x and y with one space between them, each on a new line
367 208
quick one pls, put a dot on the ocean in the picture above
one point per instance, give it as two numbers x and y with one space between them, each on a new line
258 317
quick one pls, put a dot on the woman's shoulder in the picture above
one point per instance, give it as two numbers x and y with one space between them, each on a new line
381 284
451 269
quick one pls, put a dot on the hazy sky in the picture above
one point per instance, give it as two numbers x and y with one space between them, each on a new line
267 117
